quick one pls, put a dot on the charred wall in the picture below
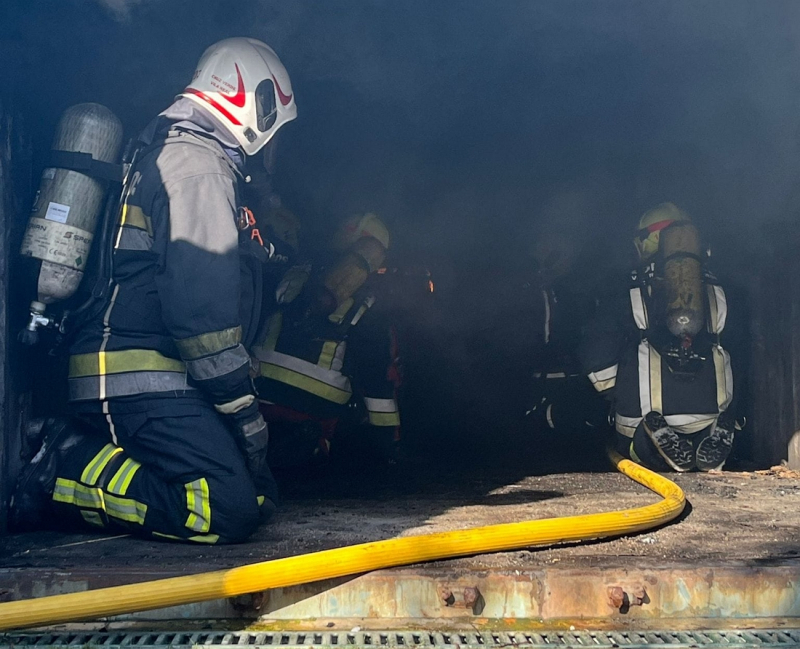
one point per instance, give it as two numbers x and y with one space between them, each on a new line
15 199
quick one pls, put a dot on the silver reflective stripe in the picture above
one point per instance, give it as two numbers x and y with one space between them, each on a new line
134 239
380 405
125 509
362 310
121 385
549 415
724 374
639 309
212 367
649 378
687 424
198 502
604 379
338 357
329 377
626 425
717 308
254 427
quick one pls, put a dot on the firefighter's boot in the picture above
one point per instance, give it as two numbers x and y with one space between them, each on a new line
713 450
30 504
673 447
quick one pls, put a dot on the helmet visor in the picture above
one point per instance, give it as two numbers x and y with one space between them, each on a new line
266 109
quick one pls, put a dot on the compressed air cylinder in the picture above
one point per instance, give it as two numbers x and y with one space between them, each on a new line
682 253
68 203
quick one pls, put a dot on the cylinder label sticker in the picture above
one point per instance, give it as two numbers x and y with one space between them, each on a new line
57 212
57 242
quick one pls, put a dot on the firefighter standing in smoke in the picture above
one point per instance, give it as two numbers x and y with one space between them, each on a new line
323 339
655 349
177 445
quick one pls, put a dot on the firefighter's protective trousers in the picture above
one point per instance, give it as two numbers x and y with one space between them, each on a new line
167 467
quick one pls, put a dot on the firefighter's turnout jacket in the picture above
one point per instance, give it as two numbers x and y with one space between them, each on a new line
628 355
173 321
314 364
153 371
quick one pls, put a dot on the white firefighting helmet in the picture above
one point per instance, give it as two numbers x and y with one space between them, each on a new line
244 84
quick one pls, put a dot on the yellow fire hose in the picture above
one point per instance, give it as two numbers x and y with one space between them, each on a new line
351 560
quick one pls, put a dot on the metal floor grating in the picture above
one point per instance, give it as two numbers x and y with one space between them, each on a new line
427 639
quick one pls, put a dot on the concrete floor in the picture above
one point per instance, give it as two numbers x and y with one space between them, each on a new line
732 517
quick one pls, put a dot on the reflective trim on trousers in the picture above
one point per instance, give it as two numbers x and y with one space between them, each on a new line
198 503
724 374
125 509
93 470
380 405
384 418
626 425
122 478
79 495
717 308
649 379
209 343
205 538
121 385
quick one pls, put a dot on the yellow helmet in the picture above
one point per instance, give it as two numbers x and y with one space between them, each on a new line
650 225
357 227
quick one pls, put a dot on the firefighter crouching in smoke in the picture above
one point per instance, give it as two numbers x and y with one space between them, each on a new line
173 445
655 351
323 344
562 399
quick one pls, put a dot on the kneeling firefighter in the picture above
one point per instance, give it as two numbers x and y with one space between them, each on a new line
654 350
326 342
174 446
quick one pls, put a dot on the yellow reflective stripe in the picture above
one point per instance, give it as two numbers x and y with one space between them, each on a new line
341 311
384 418
74 493
327 354
260 500
93 518
273 331
209 343
306 383
199 505
129 360
125 509
134 217
206 538
100 461
122 478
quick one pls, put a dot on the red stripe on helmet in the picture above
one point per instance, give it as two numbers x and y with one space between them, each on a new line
215 104
656 227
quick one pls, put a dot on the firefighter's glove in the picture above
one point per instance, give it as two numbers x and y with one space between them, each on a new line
250 428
